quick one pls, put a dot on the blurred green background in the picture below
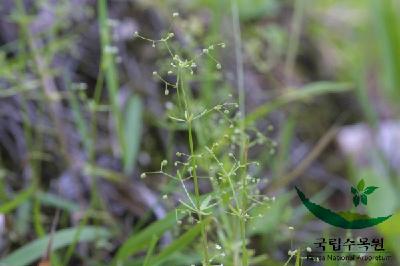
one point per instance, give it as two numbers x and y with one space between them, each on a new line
82 117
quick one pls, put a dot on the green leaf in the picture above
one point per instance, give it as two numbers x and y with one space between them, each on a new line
364 199
20 198
57 201
205 202
133 131
257 9
150 251
356 200
33 251
369 190
354 191
297 94
142 239
361 185
182 242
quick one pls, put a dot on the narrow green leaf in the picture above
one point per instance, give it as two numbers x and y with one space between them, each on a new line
356 200
133 130
361 185
33 251
369 190
142 239
364 199
354 191
205 202
57 201
298 94
183 241
150 251
110 70
17 200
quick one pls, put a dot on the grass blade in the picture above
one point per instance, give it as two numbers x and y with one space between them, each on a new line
180 243
18 200
110 70
58 202
34 250
133 129
141 240
308 91
150 251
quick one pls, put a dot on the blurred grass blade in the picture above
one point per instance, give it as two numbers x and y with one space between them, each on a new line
33 251
180 243
297 94
386 15
133 129
150 251
142 239
79 119
18 200
50 199
110 70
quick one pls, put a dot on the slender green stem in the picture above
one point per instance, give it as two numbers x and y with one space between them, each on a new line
243 149
197 193
181 86
299 7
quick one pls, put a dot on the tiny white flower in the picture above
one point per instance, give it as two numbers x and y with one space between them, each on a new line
218 66
292 252
291 228
155 73
143 175
175 14
165 196
218 247
308 249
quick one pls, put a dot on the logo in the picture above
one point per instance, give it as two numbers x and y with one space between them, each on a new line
346 219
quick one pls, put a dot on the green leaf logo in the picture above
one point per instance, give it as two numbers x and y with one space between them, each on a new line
361 185
356 200
345 219
361 193
369 190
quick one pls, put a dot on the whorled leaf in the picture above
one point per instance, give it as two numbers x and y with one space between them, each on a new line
364 199
369 190
361 185
356 200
